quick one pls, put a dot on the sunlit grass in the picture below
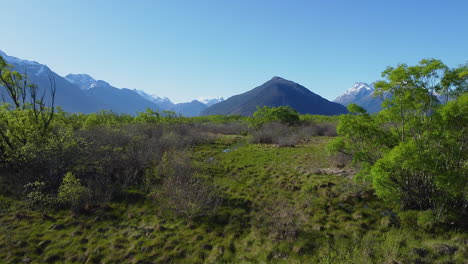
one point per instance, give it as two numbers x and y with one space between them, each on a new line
345 222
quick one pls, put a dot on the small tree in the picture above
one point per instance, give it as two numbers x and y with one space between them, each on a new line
71 192
265 115
28 119
415 150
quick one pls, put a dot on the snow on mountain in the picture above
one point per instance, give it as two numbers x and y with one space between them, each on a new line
25 66
210 101
84 81
355 93
11 59
68 95
361 94
163 102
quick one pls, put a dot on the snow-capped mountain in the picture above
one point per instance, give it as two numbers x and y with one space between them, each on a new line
67 95
84 81
192 108
210 101
25 66
361 94
119 100
355 93
163 102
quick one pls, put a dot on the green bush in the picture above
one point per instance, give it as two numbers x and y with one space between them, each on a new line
71 193
408 219
427 220
37 198
265 115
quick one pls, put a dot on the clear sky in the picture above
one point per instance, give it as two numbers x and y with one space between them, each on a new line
207 48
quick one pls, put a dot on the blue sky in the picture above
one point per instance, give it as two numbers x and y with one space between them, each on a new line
207 48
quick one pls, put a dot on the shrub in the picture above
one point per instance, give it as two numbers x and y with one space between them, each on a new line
280 218
234 128
71 193
285 135
265 115
270 133
408 219
426 220
183 191
37 198
340 160
289 140
5 205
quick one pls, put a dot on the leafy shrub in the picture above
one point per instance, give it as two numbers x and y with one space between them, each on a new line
265 115
408 219
5 205
426 220
71 193
37 197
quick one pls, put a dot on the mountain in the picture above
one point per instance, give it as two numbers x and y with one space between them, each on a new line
211 101
70 97
80 92
193 108
273 93
111 98
361 94
163 102
84 81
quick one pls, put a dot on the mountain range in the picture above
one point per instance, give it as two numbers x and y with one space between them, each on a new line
82 93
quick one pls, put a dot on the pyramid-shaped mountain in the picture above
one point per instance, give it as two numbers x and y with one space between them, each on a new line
276 92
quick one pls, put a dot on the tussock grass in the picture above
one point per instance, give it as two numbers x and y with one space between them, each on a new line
343 222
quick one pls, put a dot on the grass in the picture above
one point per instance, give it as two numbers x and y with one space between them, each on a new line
343 222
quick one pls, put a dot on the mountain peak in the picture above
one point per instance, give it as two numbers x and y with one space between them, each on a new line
361 85
277 78
358 88
362 94
276 92
14 60
210 101
84 81
80 76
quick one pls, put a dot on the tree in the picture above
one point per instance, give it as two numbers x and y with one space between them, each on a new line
265 115
28 115
415 150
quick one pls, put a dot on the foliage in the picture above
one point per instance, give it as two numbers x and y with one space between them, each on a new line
219 199
341 219
71 193
37 197
265 115
415 150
